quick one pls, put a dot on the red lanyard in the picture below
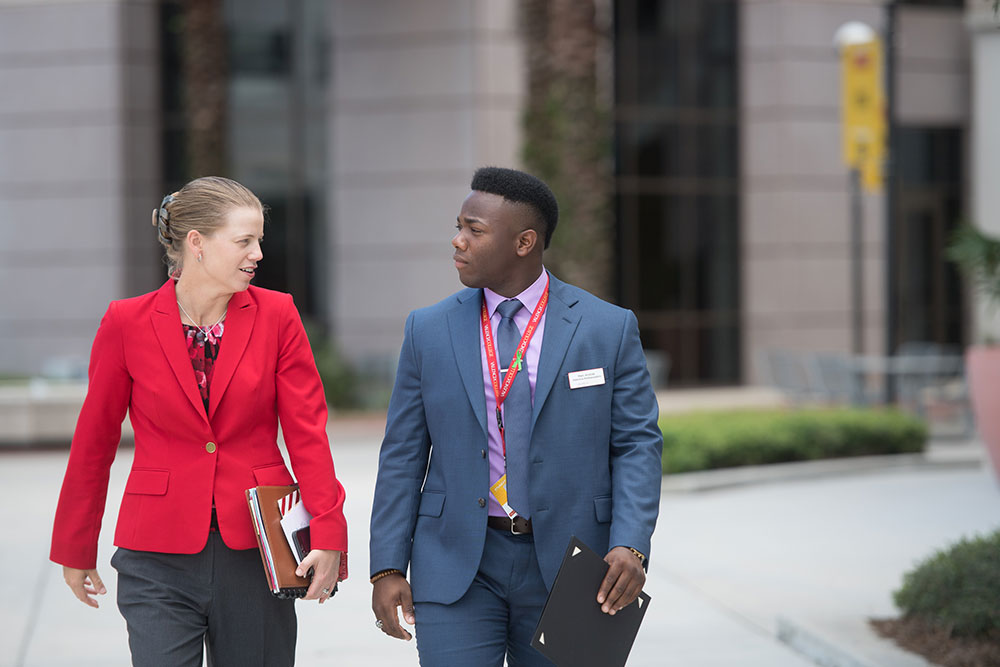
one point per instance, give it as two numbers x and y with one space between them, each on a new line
515 364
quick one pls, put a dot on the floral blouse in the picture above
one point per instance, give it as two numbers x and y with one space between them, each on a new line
203 348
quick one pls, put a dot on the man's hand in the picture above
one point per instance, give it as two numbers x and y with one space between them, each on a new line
85 584
388 593
622 583
325 565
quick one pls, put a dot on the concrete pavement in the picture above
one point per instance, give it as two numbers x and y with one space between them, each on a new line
813 556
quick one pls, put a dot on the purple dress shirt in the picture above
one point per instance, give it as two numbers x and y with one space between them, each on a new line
529 299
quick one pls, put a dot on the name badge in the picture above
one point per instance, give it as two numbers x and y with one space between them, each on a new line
589 378
499 491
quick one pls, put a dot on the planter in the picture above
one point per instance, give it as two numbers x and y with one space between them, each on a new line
982 371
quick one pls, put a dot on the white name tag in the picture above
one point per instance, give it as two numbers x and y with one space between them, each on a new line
589 378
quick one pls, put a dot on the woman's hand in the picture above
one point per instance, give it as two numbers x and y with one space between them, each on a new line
85 584
325 565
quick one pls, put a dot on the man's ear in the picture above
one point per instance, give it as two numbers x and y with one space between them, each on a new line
527 241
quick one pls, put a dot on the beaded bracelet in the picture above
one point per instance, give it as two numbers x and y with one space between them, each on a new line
383 574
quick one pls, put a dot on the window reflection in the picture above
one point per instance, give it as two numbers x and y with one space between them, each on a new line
677 157
275 141
927 287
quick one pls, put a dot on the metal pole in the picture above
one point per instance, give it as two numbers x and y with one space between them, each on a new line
857 266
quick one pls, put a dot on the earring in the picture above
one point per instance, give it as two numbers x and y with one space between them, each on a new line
199 256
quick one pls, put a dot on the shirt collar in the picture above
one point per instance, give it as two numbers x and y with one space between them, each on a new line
529 297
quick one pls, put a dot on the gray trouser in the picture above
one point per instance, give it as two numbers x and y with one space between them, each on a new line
174 604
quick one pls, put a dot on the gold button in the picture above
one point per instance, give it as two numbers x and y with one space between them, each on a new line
210 448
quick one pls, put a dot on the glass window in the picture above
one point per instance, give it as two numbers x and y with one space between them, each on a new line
927 287
274 135
677 160
934 3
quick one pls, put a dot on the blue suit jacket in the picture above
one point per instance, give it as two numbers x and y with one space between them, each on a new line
594 456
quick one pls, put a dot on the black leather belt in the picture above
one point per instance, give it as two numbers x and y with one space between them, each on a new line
519 525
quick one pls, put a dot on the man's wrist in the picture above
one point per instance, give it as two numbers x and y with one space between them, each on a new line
638 554
384 573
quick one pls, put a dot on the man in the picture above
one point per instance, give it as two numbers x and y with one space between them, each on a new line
480 503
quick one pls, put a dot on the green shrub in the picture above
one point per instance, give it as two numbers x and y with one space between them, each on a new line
706 440
958 588
340 381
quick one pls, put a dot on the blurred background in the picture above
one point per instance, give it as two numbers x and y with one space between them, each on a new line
695 148
770 185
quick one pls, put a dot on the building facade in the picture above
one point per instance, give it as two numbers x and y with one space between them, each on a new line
360 124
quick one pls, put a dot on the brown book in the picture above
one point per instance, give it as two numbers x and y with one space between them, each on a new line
275 553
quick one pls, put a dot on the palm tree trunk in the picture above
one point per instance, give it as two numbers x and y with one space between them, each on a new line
567 134
205 69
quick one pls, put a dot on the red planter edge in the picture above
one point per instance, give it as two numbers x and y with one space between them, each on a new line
982 372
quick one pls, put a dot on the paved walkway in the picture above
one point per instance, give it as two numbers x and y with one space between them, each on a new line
814 555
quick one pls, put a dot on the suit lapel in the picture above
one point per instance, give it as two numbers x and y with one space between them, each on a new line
240 316
463 323
560 325
166 321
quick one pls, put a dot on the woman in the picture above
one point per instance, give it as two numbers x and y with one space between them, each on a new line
206 367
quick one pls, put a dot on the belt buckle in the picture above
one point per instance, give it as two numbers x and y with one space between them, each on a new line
512 524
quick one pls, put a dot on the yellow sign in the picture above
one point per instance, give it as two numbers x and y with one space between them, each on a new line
863 110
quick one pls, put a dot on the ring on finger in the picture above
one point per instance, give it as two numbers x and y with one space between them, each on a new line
326 591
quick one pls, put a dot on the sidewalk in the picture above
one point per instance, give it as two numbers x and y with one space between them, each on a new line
823 554
814 559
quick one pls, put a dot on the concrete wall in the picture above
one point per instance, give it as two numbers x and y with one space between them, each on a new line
78 156
985 145
795 198
795 203
422 94
932 87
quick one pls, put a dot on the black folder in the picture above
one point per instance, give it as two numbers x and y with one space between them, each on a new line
573 630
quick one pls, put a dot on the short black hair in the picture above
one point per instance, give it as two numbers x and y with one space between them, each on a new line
518 186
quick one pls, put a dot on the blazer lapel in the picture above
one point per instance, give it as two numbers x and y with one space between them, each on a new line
240 316
560 325
464 325
166 321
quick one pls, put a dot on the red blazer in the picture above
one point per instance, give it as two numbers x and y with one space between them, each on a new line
184 458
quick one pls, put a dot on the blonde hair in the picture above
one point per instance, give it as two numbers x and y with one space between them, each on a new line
202 205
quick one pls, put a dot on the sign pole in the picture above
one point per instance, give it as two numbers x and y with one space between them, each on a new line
863 128
857 266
